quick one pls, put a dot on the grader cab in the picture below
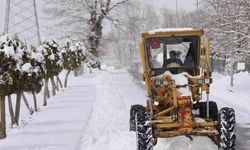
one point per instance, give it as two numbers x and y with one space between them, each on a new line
177 74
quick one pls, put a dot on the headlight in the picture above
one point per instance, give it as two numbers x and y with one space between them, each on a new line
207 81
156 103
200 81
160 81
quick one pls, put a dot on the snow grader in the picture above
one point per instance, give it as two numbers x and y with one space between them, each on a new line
177 75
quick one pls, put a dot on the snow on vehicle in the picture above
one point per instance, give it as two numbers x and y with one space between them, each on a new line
176 71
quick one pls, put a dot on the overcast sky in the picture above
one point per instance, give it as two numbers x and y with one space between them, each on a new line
187 5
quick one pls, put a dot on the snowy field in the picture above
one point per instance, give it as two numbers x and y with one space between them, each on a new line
93 114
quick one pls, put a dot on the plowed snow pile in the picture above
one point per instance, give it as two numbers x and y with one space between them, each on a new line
236 97
108 127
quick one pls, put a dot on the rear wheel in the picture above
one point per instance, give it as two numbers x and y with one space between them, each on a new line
144 134
213 110
227 129
133 110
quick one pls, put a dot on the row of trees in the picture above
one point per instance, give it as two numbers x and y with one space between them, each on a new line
227 24
28 69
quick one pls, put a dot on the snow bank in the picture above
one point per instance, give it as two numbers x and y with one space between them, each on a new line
236 97
108 125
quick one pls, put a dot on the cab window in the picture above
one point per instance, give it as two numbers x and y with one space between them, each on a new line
172 52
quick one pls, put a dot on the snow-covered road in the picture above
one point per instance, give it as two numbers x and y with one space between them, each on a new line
58 126
111 131
93 113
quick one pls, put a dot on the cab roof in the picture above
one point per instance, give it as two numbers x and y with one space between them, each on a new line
168 32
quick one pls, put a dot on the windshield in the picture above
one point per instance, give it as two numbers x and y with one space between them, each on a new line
172 52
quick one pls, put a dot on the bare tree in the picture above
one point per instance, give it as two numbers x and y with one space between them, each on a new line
83 16
136 17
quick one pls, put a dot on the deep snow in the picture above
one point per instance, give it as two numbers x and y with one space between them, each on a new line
93 114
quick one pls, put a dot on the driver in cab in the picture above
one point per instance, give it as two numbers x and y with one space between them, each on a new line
173 61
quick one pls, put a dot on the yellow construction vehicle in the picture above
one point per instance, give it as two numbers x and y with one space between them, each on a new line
177 73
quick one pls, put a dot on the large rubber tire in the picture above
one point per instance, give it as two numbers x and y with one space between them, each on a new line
133 110
144 134
227 129
213 110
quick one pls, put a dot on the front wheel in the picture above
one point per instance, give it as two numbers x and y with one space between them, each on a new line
133 110
227 129
144 133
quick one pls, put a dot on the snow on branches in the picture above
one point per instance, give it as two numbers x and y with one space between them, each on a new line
27 69
73 55
227 23
52 64
19 73
82 19
17 61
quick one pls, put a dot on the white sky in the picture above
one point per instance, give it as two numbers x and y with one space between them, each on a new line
187 5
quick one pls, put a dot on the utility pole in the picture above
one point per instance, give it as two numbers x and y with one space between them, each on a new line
7 15
197 5
197 14
37 23
22 19
176 13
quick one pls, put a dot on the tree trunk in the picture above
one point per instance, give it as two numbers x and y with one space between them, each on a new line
35 102
26 103
81 68
2 115
45 93
59 81
18 104
232 80
232 75
76 71
90 71
66 79
57 84
12 116
47 88
53 84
